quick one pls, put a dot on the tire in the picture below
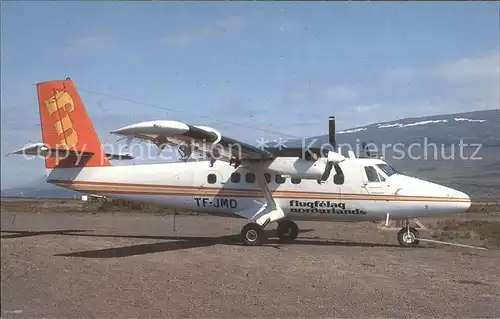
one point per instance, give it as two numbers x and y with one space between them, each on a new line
287 230
408 241
252 234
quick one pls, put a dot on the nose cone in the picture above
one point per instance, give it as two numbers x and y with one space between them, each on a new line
455 201
438 199
462 200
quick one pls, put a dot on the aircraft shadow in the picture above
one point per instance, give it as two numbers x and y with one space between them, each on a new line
21 233
183 242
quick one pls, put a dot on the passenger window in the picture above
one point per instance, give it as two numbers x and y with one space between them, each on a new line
268 177
295 180
235 177
250 178
279 179
211 178
372 174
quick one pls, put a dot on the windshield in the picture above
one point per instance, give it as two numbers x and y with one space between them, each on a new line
387 169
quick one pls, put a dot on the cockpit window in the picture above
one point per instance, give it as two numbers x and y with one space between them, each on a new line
387 169
372 174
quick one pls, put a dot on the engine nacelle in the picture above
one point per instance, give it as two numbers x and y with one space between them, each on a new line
297 167
166 128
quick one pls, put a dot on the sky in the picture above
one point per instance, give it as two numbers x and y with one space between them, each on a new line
251 70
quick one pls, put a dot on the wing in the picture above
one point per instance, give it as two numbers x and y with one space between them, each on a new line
202 140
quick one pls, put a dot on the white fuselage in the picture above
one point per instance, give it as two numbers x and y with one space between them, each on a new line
218 190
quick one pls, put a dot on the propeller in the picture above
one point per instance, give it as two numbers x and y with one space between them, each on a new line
332 157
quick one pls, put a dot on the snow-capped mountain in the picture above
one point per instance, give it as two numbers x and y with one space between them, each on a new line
472 127
430 148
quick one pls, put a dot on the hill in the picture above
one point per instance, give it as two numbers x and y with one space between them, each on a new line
41 189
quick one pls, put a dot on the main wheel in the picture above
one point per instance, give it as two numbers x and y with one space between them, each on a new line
408 239
253 234
287 230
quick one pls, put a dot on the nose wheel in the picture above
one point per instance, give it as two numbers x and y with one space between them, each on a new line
408 236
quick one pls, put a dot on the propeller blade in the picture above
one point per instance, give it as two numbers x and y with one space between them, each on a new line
328 170
331 132
332 159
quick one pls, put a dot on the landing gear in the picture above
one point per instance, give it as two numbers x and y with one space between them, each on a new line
253 234
408 236
287 230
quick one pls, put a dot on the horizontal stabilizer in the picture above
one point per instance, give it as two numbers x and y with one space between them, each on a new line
40 149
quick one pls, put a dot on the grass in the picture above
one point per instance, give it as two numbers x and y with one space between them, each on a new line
68 205
480 224
116 205
485 207
485 231
75 205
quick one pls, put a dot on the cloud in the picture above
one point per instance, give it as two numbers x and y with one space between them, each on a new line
454 86
89 44
403 73
320 93
467 84
305 106
365 108
229 26
460 85
225 26
484 66
340 92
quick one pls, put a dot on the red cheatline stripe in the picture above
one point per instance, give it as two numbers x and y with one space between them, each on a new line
236 189
145 189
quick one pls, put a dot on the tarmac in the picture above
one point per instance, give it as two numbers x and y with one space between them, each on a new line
135 265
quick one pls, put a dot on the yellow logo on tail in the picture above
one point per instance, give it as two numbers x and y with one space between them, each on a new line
61 103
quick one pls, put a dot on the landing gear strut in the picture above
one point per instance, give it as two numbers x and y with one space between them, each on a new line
408 236
253 232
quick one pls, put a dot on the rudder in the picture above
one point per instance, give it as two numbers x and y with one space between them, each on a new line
67 126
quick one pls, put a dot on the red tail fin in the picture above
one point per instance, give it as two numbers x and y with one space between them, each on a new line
66 126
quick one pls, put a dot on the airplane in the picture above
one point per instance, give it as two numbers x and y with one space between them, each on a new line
262 185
